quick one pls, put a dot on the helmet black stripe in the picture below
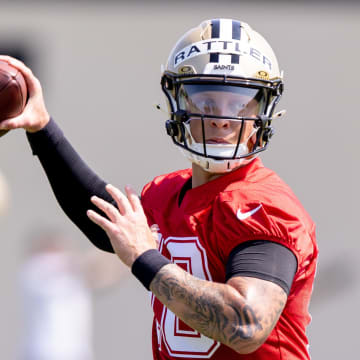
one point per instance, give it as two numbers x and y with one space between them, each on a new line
235 58
236 30
214 57
215 29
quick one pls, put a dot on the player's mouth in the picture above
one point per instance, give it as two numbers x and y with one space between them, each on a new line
217 140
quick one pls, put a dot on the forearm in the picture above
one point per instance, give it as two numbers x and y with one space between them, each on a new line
72 181
216 310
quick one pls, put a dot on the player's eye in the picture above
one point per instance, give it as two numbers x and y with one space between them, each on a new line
236 109
207 106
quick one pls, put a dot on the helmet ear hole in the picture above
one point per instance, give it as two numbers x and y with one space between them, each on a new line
268 133
171 128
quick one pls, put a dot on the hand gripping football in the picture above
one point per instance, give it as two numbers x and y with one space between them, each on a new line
13 92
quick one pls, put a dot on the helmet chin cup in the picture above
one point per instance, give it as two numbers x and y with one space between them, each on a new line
216 166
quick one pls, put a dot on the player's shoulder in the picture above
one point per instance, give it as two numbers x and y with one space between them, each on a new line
261 186
170 183
262 206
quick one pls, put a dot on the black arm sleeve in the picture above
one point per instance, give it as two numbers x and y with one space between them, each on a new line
72 181
266 260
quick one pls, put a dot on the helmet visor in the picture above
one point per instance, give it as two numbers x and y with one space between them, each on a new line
221 100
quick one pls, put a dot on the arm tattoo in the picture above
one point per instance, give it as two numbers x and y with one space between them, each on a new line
247 323
221 311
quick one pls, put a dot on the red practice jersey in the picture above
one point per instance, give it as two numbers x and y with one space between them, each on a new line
250 203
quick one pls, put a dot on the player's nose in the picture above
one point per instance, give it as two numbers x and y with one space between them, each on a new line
220 123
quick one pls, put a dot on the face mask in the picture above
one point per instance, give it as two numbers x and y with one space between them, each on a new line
221 150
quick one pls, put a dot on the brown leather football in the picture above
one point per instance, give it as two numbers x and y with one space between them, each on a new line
13 92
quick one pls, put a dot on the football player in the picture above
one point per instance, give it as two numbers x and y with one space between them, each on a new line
225 247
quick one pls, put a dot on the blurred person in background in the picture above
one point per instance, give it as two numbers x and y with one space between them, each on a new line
4 195
57 285
225 247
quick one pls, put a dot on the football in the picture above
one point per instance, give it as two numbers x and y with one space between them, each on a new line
13 92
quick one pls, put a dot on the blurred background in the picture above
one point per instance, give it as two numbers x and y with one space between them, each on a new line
99 64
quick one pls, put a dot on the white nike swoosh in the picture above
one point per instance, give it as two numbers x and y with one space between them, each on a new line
242 216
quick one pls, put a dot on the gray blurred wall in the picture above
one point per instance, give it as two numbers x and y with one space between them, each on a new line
99 63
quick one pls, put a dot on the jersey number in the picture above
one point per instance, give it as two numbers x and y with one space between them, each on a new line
179 339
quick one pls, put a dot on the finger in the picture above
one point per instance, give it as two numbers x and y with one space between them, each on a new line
121 200
99 220
31 80
15 63
107 208
133 198
13 123
154 228
12 61
20 121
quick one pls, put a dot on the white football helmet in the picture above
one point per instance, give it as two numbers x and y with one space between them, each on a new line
221 59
